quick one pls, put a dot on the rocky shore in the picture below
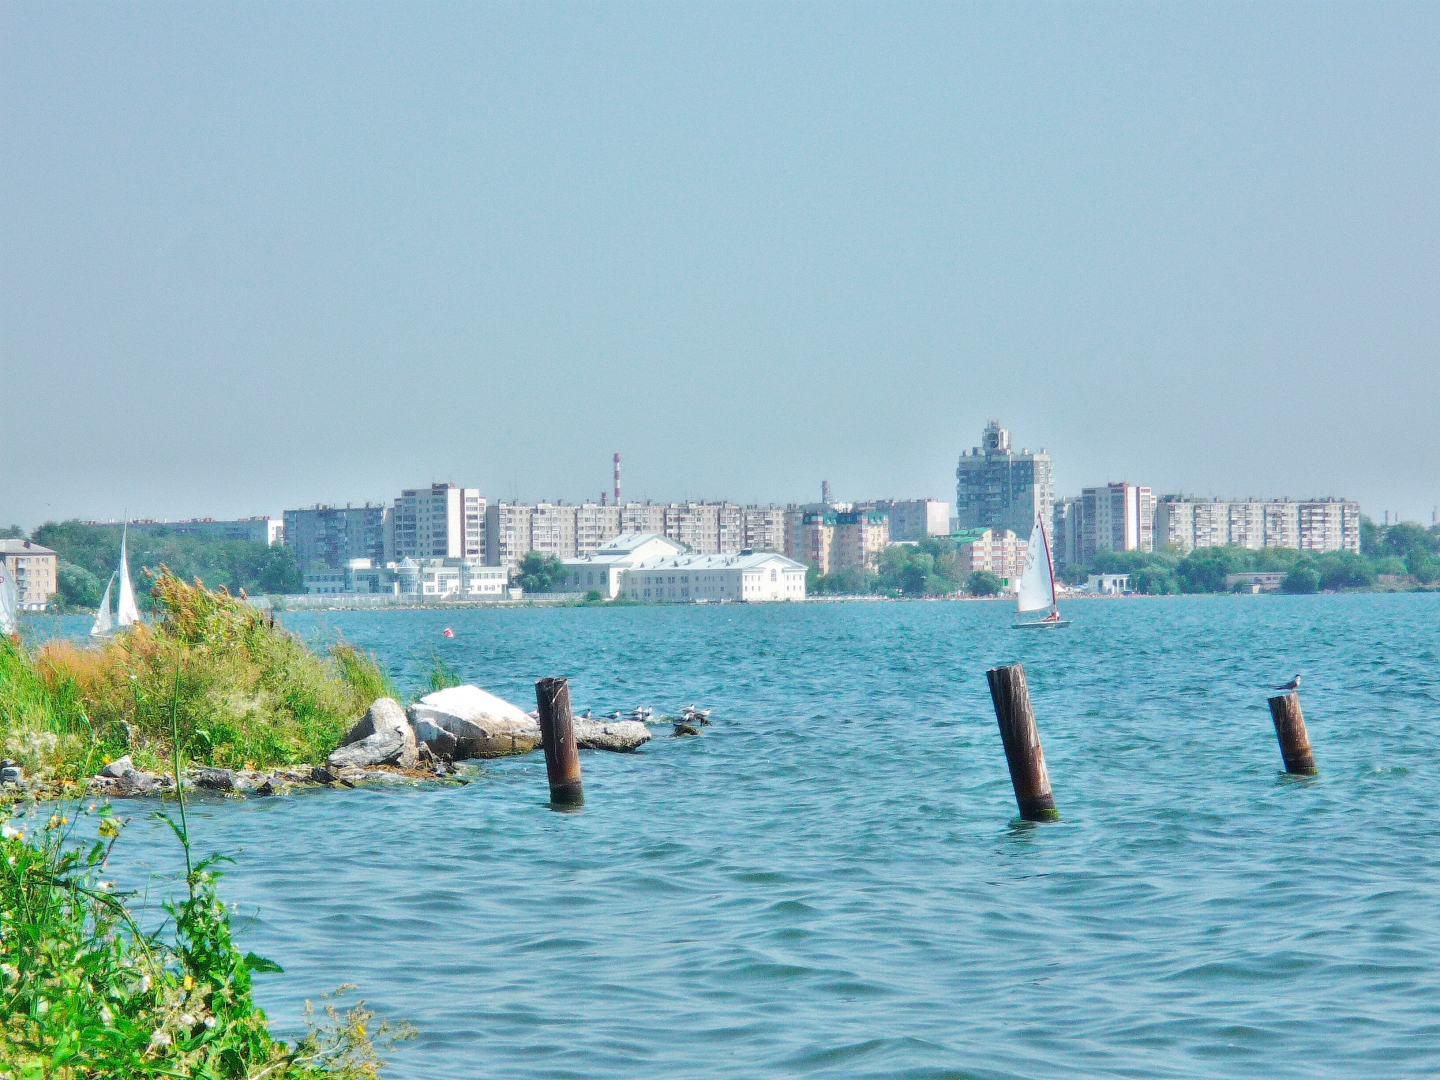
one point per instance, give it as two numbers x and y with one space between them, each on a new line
389 744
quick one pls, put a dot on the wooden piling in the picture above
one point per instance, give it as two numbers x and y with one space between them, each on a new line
1016 718
1294 739
562 758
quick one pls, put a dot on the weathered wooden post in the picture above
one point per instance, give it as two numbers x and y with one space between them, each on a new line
562 758
1022 743
1294 739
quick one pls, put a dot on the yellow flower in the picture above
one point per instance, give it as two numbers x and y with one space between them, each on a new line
189 982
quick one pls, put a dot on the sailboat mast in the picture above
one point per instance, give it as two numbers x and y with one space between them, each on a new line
1045 539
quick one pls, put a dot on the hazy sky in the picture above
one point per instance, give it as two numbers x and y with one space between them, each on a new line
258 256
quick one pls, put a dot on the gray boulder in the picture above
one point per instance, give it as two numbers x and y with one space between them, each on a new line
384 714
215 779
382 748
483 724
118 768
432 735
621 735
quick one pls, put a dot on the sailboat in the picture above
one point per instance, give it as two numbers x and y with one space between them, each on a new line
126 611
1037 584
103 622
9 603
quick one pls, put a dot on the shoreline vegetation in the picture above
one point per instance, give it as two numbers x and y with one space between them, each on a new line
248 694
85 990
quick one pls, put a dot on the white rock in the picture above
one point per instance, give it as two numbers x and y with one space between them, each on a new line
483 724
118 768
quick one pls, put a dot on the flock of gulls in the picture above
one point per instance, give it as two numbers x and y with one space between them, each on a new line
690 720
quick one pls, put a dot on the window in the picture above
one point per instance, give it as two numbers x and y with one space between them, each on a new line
772 575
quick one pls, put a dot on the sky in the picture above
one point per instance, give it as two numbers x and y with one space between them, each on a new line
260 256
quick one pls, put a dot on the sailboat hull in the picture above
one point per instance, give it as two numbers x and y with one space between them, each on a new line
1040 624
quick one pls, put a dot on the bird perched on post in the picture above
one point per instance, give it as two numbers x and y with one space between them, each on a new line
1293 684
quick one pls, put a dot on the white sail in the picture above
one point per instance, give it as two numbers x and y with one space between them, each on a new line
1037 586
125 610
8 601
103 623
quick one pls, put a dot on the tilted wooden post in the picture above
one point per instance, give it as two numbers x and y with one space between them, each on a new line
1022 743
1294 739
562 758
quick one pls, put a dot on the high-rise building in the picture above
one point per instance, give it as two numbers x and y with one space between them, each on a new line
443 521
1116 517
329 537
996 488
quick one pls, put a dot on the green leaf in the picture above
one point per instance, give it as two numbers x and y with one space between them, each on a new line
259 963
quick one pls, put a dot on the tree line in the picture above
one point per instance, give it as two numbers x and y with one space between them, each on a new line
1408 552
86 556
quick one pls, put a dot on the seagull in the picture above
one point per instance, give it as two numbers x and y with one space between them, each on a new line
1293 684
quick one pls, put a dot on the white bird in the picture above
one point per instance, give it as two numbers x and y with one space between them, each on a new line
1293 684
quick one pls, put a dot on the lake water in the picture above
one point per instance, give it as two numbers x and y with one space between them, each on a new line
832 880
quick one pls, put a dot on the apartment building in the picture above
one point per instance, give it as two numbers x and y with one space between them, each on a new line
764 528
552 529
996 551
595 525
809 537
1315 525
33 568
858 539
256 530
329 537
443 521
431 578
997 488
916 519
507 534
1116 517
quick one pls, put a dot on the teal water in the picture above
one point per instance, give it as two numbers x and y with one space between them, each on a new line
831 881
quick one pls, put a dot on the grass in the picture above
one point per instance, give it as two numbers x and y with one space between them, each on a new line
86 993
247 693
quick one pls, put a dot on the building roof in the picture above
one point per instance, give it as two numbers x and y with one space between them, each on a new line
22 547
751 560
620 551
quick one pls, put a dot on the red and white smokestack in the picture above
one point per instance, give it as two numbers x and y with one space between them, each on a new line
617 480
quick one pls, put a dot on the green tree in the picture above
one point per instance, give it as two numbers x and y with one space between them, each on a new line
541 572
79 588
983 583
12 532
1304 578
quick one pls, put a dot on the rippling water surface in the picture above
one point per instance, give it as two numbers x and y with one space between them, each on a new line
831 881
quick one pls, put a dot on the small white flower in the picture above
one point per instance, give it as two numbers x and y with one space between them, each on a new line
9 832
145 984
42 1006
106 1015
187 1020
209 1021
105 886
159 1039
